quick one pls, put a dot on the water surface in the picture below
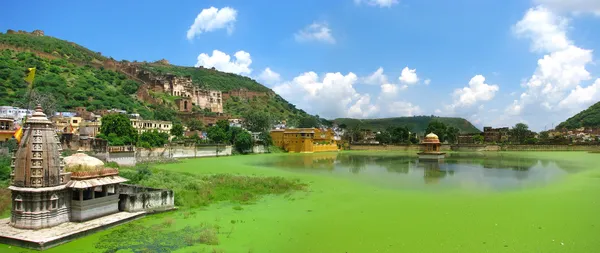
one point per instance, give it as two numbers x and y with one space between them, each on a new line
405 171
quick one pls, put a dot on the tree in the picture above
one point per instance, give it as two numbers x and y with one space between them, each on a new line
177 130
233 133
383 137
478 139
452 134
308 122
266 139
218 135
544 136
438 128
195 125
243 141
343 126
520 132
118 126
223 124
257 121
153 139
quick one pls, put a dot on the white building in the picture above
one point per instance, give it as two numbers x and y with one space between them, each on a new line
14 112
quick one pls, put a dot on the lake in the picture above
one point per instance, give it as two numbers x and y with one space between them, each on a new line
385 202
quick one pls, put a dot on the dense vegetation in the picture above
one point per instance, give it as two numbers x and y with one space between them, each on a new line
277 107
69 75
208 78
50 45
66 84
587 118
416 124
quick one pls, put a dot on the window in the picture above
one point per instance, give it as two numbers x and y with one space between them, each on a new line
74 121
18 203
54 200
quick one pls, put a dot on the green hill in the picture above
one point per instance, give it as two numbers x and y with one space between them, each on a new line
72 76
416 124
589 117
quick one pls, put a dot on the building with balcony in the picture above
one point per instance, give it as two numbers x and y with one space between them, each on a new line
150 125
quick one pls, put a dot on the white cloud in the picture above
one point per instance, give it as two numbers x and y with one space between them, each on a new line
558 72
212 19
427 81
315 32
223 62
363 108
575 6
477 91
557 87
330 96
377 78
546 30
409 76
269 76
379 3
388 88
579 96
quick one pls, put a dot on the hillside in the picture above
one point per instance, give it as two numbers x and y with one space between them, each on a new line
416 124
587 118
72 76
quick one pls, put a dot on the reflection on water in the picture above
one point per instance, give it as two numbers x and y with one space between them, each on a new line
458 170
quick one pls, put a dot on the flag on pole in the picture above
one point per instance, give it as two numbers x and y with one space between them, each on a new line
30 76
18 134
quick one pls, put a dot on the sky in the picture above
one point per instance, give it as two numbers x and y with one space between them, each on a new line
495 63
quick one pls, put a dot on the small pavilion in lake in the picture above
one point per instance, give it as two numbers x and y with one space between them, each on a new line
431 148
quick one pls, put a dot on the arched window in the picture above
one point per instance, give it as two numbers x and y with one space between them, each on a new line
185 105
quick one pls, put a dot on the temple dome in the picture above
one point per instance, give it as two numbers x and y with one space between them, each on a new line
82 162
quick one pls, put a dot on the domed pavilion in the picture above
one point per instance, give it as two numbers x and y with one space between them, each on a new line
95 189
431 148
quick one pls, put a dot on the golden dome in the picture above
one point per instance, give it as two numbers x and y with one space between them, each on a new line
431 138
82 162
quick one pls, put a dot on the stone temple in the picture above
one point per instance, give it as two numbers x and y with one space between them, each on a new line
55 199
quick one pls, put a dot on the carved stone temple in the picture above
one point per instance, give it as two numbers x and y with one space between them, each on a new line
56 199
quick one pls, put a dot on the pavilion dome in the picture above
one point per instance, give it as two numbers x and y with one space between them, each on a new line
431 138
82 162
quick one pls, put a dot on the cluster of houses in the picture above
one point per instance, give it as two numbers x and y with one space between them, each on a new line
579 135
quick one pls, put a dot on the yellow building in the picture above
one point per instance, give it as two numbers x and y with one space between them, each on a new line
67 124
304 140
150 125
7 129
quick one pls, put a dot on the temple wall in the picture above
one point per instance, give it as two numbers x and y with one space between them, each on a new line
135 198
259 149
94 208
324 147
35 212
475 148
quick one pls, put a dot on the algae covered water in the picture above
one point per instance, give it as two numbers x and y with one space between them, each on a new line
381 202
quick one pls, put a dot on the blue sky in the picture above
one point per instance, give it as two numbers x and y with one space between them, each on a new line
468 58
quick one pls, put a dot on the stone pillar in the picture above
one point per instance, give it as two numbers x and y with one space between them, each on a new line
80 195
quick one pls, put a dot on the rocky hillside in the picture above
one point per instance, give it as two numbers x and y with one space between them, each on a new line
72 76
587 118
416 124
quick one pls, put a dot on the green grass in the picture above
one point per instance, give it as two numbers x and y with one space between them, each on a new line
345 214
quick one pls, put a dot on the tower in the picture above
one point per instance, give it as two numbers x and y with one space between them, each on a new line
39 194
